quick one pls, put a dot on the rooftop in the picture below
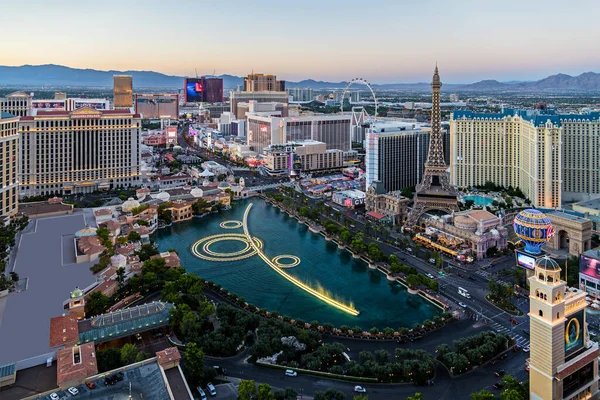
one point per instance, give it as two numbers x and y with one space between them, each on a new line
5 115
7 369
76 363
593 204
167 356
63 330
480 215
570 217
536 117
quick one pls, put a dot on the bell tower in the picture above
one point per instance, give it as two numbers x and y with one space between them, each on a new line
77 303
564 363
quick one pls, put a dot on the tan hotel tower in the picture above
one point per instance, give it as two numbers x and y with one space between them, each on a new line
564 362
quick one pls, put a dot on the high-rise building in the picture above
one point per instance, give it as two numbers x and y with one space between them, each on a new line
236 98
543 155
17 104
81 151
263 83
301 94
264 130
564 361
396 154
203 90
302 155
123 91
9 156
157 106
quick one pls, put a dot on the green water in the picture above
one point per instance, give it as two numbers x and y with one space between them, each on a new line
381 303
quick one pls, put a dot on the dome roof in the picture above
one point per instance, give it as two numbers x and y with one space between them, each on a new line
87 231
76 293
130 204
534 228
164 196
224 185
546 263
197 192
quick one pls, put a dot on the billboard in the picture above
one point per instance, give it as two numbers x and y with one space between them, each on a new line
194 90
578 379
97 105
525 260
574 329
589 266
48 104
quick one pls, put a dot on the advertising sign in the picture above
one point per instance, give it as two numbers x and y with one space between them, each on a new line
525 260
194 91
578 379
574 329
94 105
589 266
49 104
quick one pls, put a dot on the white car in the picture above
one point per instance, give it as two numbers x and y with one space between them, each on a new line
360 389
202 394
289 372
526 349
73 390
54 396
430 276
211 389
463 305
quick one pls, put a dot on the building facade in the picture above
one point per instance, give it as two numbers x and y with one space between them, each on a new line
157 106
302 155
551 158
396 155
123 91
391 204
235 98
263 83
333 130
564 361
301 94
81 151
203 90
17 104
9 161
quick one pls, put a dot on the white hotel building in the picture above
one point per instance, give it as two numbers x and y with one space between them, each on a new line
80 151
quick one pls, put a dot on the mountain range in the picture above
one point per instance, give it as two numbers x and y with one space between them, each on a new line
57 75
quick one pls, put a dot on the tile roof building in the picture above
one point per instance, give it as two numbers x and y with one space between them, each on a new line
75 364
63 331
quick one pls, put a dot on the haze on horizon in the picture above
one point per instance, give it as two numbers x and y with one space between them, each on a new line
382 41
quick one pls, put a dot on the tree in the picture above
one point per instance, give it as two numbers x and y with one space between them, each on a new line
128 354
413 281
108 359
264 392
133 236
194 363
417 396
360 397
330 394
246 390
483 395
14 276
97 303
121 276
513 388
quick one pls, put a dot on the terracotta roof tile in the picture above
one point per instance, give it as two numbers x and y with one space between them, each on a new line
63 330
67 370
167 356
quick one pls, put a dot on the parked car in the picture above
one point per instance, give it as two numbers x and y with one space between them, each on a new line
500 373
73 390
91 385
513 321
211 389
360 389
498 385
202 394
110 380
289 372
54 396
119 376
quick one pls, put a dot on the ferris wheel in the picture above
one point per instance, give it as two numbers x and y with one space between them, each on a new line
362 82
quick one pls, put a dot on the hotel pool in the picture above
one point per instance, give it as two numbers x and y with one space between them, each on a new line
479 200
322 265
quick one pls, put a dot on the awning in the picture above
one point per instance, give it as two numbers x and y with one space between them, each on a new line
375 215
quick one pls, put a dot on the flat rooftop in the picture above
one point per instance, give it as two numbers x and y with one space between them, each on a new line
42 207
46 259
177 384
593 204
571 217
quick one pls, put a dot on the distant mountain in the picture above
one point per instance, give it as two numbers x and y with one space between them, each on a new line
57 75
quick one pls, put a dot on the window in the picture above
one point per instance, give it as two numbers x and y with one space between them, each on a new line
541 313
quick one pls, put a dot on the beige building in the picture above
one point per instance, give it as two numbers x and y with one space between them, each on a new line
263 83
9 151
123 91
509 149
391 204
17 104
564 361
239 102
302 155
78 152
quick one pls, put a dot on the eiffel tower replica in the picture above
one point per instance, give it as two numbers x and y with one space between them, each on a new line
435 191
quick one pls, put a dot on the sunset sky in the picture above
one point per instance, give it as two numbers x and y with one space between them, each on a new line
382 41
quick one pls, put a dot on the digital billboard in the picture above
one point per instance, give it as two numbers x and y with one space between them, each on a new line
194 91
574 329
525 260
589 266
48 104
578 379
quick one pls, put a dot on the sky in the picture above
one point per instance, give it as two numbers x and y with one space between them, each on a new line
383 41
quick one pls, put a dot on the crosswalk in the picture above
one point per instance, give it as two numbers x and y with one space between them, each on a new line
521 341
487 275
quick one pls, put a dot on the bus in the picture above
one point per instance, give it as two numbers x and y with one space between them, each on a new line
464 293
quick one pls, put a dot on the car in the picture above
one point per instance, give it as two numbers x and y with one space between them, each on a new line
220 370
470 278
409 250
463 305
119 376
513 321
110 380
73 390
500 373
498 385
494 361
432 261
91 385
211 389
430 276
517 348
440 273
289 372
202 394
360 389
526 349
54 396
